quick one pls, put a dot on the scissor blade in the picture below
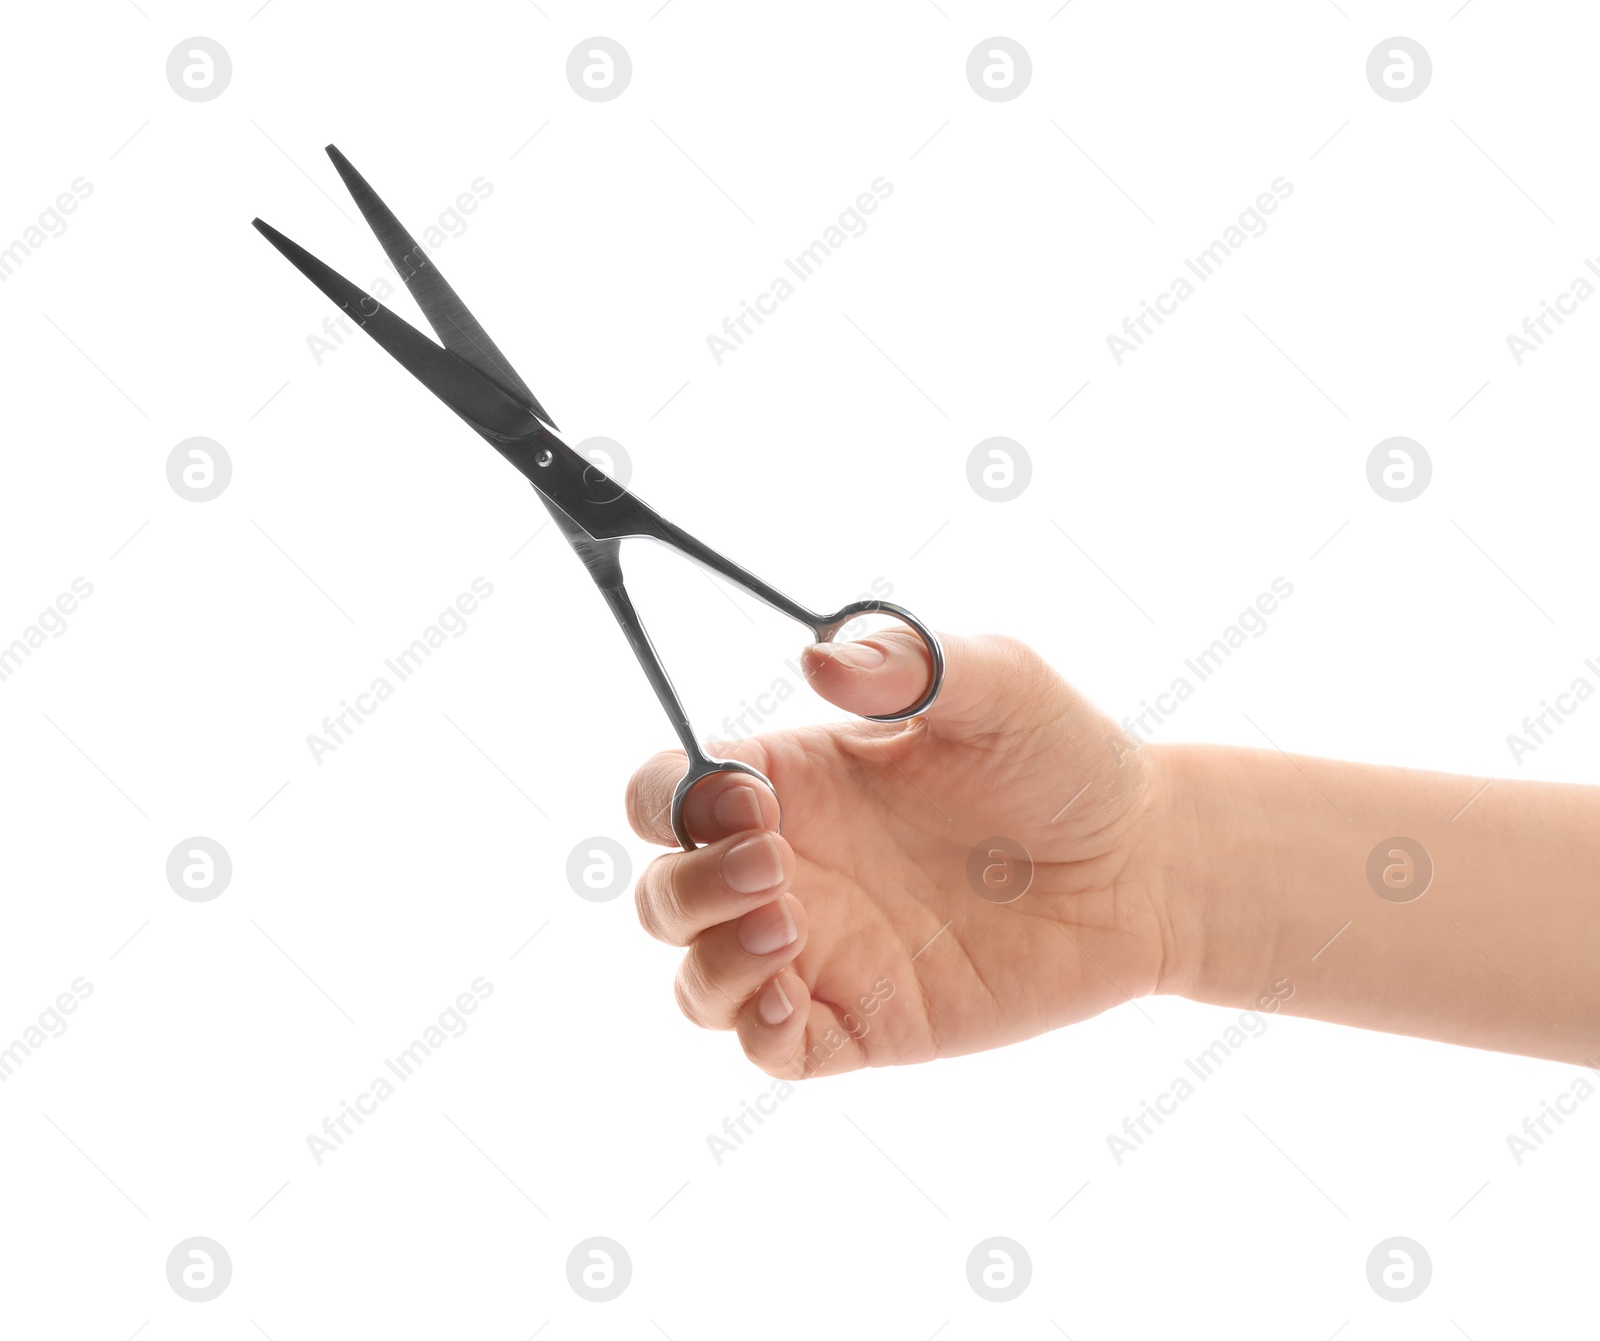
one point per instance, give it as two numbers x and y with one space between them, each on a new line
483 403
446 313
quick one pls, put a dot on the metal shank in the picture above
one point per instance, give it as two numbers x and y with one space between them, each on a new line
596 514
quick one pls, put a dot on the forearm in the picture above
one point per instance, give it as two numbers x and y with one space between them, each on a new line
1265 863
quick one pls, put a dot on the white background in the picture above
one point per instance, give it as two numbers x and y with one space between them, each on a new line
368 890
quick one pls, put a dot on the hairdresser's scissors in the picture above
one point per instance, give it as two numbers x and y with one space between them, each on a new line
594 512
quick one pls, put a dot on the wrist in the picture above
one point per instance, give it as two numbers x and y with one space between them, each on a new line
1206 857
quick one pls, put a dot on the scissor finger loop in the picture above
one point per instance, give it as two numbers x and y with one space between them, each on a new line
830 626
701 768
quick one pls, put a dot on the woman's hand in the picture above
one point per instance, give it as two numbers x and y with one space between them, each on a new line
884 925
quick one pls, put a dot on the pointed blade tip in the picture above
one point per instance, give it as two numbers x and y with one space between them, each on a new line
342 165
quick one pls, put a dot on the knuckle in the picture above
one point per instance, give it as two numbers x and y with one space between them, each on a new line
750 750
1009 649
680 994
642 906
785 1066
654 901
673 909
1025 664
642 801
632 801
696 994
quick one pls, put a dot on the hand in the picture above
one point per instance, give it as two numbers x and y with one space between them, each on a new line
856 938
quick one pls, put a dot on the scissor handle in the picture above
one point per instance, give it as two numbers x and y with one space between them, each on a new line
826 628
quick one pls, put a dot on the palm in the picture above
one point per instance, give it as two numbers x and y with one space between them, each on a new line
883 821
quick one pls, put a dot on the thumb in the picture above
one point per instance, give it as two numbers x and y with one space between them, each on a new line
990 683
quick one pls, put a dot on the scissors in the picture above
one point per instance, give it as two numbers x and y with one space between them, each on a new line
595 513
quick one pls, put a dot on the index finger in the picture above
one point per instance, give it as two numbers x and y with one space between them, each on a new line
719 805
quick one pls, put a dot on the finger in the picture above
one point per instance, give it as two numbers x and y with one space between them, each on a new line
878 675
682 894
708 816
727 965
990 682
792 1037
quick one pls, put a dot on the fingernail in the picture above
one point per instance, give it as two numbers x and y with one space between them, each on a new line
772 1005
750 866
738 808
770 927
858 656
